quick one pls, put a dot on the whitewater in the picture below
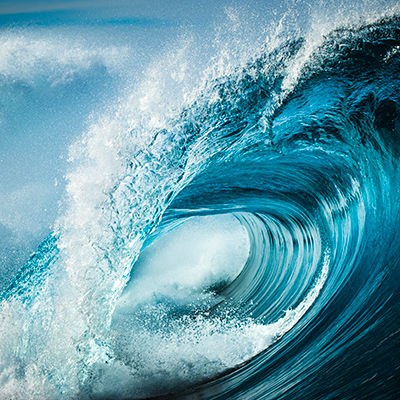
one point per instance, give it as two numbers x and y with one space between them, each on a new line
220 219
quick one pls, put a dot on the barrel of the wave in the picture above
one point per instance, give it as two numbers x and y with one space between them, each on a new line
338 153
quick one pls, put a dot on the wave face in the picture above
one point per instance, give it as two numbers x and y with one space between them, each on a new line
246 247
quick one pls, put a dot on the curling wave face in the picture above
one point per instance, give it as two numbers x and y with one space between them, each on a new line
246 249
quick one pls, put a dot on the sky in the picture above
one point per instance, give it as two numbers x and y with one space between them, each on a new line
88 11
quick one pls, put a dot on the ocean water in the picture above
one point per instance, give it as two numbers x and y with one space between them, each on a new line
200 201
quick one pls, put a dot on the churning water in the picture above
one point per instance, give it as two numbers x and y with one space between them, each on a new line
226 232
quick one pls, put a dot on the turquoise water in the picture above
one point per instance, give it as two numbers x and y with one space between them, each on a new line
228 212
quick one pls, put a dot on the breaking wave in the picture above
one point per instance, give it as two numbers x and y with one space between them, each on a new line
244 246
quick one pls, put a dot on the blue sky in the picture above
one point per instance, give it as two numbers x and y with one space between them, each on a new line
177 10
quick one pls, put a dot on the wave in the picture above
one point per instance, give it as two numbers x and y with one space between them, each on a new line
245 247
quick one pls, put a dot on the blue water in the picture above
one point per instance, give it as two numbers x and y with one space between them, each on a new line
228 211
